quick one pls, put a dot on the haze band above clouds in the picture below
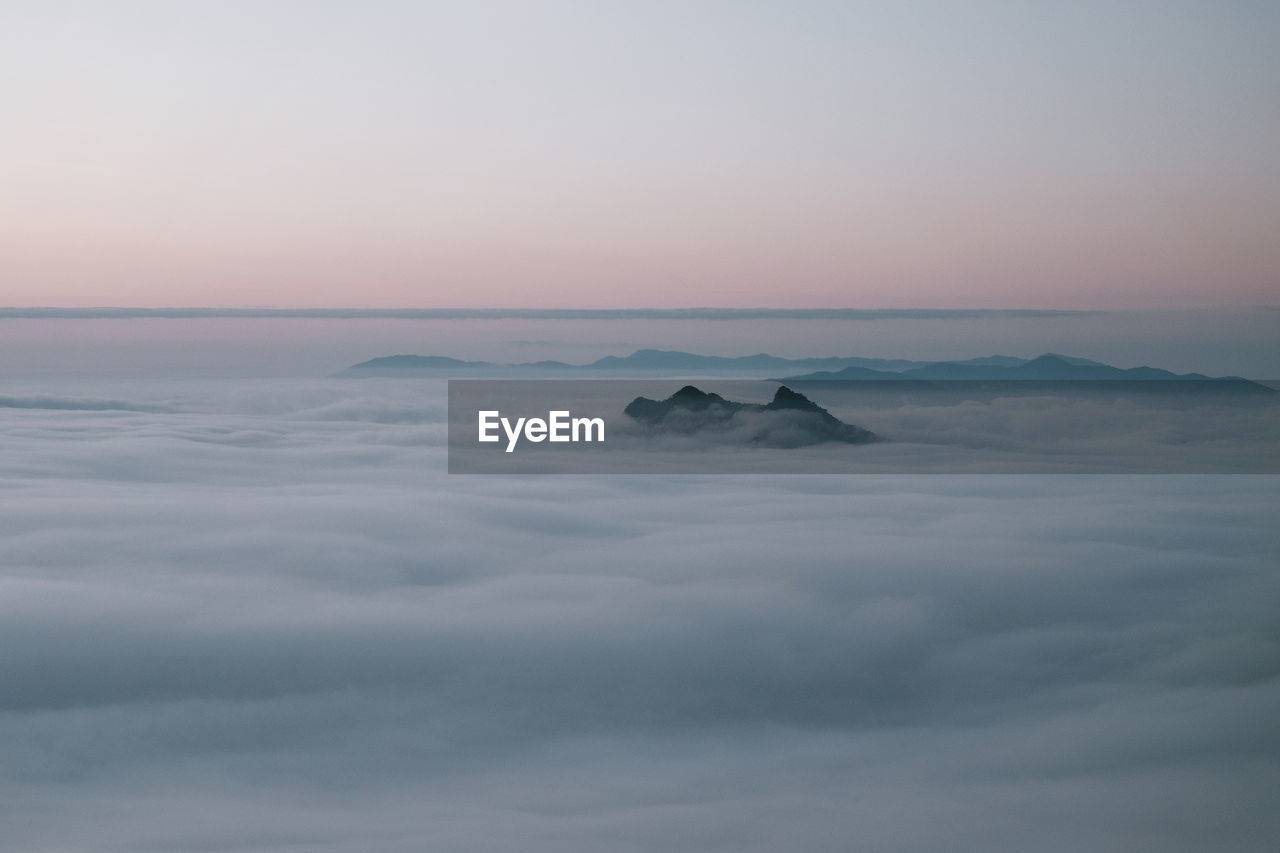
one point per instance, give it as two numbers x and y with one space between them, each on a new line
107 313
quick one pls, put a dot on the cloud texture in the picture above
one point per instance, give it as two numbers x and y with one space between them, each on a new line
259 617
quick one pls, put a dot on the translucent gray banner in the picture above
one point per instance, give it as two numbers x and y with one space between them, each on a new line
718 426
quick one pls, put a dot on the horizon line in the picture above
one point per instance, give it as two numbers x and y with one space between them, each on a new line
707 313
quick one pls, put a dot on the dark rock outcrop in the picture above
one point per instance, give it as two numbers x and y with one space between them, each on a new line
788 420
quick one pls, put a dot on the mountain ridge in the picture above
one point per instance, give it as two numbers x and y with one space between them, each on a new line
1047 367
790 419
657 362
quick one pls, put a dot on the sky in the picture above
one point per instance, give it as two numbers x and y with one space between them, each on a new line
1093 155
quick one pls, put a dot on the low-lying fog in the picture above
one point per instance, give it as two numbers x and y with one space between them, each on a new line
257 615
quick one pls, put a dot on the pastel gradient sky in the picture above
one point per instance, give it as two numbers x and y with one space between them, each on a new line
669 154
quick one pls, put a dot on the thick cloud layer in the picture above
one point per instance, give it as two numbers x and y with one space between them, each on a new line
259 617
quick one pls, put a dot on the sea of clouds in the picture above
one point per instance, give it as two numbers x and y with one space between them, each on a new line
259 616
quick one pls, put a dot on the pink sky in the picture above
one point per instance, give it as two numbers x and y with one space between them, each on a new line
600 155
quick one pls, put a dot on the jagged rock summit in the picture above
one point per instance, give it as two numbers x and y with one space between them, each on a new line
790 419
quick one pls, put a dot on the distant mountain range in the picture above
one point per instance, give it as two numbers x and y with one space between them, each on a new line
1046 367
654 362
658 361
